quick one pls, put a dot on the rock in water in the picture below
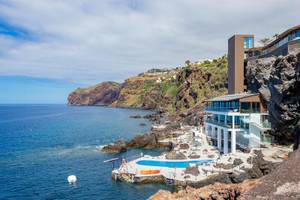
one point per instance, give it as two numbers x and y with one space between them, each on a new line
174 155
117 147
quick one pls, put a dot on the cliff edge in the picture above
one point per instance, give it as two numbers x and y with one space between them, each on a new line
101 94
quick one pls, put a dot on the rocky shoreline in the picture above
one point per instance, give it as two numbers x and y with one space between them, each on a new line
276 79
282 182
149 140
166 129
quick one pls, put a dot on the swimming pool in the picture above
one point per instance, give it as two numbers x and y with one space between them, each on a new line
172 164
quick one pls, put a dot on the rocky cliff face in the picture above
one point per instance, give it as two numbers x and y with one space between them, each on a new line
217 191
181 89
278 81
150 90
101 94
195 84
282 183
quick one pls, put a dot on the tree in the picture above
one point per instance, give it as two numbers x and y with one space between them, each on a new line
187 63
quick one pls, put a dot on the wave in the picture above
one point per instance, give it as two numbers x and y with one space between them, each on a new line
99 147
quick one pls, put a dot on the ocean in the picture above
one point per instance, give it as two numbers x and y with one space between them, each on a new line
41 145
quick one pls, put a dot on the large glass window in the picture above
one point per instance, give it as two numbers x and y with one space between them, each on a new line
248 42
222 118
237 121
298 34
229 120
245 107
256 107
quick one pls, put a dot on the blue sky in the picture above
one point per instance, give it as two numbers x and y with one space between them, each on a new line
69 43
29 90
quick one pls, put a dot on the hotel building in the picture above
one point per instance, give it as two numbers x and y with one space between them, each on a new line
239 120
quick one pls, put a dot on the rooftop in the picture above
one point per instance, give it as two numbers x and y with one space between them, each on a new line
232 97
278 38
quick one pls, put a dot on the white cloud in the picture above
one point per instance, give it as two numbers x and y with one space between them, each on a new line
92 41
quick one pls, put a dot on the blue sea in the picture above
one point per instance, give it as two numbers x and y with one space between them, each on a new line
41 145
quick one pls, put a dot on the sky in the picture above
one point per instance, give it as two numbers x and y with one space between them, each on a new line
66 44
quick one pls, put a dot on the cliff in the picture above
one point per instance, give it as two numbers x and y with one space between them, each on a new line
277 79
178 89
102 94
282 183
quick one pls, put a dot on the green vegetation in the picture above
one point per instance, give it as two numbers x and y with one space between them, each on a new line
169 87
148 85
178 89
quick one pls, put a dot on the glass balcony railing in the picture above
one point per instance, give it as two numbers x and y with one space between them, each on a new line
227 125
217 123
222 109
250 110
266 124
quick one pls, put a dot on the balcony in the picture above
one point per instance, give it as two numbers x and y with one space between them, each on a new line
222 109
211 121
266 124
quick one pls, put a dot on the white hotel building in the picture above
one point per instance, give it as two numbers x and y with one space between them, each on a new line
236 121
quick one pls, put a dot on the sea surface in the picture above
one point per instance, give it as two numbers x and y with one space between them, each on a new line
41 145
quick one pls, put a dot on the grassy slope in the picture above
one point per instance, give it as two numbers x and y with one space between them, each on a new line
175 90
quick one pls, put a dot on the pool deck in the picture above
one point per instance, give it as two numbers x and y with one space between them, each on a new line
197 145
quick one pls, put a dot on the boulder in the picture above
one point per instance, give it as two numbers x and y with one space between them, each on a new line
237 162
140 141
175 155
155 117
135 116
192 170
194 156
116 147
184 146
223 166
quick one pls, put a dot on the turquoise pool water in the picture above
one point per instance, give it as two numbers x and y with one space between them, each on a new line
172 164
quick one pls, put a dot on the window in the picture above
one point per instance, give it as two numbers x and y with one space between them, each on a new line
245 107
237 120
222 118
248 42
256 107
283 41
298 34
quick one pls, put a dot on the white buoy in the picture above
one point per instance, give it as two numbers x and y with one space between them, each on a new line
72 179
